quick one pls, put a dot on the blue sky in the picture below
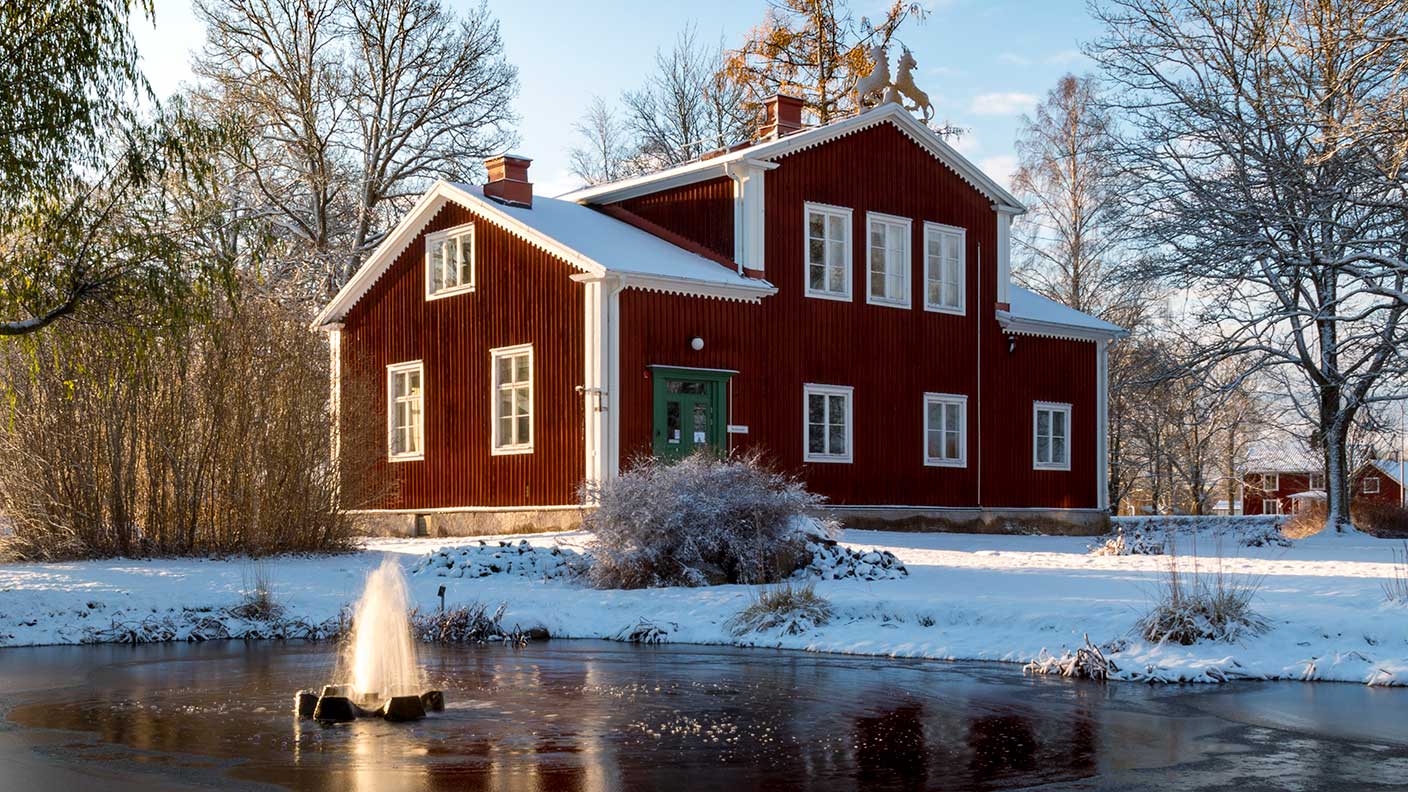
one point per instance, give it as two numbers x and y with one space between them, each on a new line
982 63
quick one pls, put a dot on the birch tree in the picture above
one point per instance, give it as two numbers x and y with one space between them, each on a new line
1264 180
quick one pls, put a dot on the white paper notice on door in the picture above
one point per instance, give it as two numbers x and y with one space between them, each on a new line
699 438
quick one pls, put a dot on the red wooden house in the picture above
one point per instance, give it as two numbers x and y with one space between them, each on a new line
1380 481
1279 490
837 296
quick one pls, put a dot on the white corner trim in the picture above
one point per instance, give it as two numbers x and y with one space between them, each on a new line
392 370
1102 419
335 392
1038 406
1004 255
847 254
509 449
467 230
907 269
810 388
941 228
947 398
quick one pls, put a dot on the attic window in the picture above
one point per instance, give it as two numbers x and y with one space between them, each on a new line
449 262
1371 485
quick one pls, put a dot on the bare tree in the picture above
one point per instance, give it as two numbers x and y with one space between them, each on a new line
605 153
1245 188
352 107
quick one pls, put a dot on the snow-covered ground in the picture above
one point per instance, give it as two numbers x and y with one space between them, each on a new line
1003 598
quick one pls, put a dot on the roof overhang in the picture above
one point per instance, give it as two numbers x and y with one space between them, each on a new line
716 167
1018 325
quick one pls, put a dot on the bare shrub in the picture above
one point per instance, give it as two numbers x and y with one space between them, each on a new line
1086 662
1380 520
1195 607
473 623
791 609
699 521
259 602
1396 589
646 631
1310 520
211 436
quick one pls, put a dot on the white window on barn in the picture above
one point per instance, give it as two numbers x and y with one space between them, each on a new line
405 411
513 399
945 253
945 430
449 262
826 420
1051 440
828 252
1371 485
887 257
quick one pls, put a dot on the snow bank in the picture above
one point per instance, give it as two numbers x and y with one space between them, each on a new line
522 560
966 597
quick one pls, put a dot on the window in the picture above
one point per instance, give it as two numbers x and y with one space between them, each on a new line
513 399
945 430
449 262
1270 482
827 423
887 260
1371 485
1271 506
1317 481
945 254
1051 447
828 252
405 411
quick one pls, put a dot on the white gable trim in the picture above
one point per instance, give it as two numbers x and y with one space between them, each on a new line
704 170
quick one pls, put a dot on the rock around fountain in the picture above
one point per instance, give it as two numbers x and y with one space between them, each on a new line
385 680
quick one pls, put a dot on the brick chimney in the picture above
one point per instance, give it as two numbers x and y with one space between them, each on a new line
508 179
784 116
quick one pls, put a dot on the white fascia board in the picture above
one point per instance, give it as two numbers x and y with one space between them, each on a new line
696 288
410 226
1036 327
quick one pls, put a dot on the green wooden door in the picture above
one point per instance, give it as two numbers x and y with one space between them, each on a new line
691 410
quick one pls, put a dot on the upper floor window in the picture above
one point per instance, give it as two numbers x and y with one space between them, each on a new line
945 250
827 420
1317 481
888 260
513 399
945 429
1270 482
1371 485
828 252
449 261
405 411
1051 425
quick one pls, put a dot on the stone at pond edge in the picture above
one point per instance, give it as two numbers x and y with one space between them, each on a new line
403 708
334 709
304 703
536 634
433 701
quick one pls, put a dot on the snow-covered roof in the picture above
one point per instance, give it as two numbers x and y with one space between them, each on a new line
714 167
1391 468
1308 495
587 239
1032 314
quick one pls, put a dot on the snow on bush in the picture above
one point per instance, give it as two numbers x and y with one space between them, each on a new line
472 623
1086 662
699 521
831 561
502 558
1131 540
205 624
1254 530
792 610
1193 608
646 631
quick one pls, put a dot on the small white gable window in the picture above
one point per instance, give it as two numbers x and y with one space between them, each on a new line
945 430
945 251
1051 442
449 261
513 399
1371 485
828 252
405 411
826 423
1317 481
887 257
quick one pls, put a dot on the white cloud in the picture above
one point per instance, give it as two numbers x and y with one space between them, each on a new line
1013 59
1000 168
996 104
966 144
1065 58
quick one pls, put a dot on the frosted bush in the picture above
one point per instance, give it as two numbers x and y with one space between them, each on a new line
789 609
699 521
1132 541
1193 608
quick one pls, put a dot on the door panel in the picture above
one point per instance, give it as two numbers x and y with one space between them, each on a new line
690 408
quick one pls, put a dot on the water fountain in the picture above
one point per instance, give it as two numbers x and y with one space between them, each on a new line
385 679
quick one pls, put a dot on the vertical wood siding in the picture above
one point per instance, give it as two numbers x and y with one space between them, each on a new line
890 356
702 212
522 295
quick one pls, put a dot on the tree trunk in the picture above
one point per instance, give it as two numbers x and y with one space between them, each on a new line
1335 439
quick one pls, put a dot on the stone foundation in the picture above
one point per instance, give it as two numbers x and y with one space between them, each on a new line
1058 522
467 523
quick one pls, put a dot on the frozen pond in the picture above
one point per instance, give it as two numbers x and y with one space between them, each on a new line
592 715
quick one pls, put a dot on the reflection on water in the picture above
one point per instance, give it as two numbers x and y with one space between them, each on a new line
583 715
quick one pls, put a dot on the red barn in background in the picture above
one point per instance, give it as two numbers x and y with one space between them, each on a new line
838 297
1379 481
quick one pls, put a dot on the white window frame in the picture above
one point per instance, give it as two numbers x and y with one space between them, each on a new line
1271 506
496 446
461 235
941 231
947 399
1364 488
907 264
393 372
1270 482
1314 477
828 212
1037 408
845 391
